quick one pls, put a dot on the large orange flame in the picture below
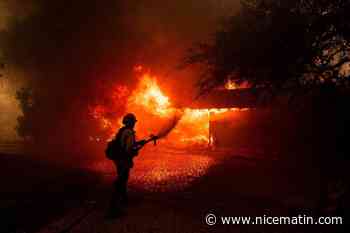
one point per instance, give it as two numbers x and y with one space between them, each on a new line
149 96
154 109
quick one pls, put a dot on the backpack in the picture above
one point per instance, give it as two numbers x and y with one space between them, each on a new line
113 150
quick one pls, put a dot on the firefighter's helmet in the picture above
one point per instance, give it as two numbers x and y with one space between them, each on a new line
129 118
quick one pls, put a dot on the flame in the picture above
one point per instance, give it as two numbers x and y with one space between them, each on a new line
154 108
149 96
163 166
150 103
231 85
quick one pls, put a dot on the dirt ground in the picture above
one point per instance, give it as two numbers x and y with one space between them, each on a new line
170 191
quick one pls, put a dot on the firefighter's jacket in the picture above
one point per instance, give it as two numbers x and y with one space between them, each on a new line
128 143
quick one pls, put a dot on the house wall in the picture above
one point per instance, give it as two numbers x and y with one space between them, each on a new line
313 127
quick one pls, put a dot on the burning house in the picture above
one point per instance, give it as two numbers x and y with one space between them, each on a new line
211 121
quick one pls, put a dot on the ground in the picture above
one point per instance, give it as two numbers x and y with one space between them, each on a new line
170 191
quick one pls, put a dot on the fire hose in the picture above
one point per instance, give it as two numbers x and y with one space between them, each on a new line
162 133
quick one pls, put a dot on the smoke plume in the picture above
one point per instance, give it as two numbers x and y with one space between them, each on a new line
171 124
72 52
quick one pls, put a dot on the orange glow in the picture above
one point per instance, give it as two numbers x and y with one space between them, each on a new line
170 166
231 85
163 170
149 96
154 109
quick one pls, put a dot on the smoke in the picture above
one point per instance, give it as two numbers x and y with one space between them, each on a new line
14 10
72 52
171 124
8 111
69 51
167 29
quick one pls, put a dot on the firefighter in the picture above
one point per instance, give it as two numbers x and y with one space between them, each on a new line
129 148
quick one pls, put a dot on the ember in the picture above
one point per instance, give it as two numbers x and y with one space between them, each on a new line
159 170
167 170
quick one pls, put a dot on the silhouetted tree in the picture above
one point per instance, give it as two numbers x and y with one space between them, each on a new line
277 44
291 44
